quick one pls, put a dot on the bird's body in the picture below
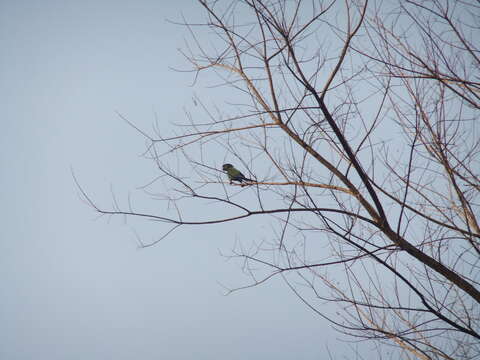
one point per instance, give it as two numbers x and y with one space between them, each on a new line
234 174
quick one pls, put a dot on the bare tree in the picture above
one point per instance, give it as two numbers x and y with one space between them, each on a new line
357 120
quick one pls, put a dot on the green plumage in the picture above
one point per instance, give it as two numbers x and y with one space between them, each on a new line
234 174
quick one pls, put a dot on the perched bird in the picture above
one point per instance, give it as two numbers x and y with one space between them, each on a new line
234 174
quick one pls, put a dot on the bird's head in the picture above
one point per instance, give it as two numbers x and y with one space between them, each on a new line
225 167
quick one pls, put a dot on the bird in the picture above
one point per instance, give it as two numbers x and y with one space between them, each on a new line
234 174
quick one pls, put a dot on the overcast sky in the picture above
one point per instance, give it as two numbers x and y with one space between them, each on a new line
74 286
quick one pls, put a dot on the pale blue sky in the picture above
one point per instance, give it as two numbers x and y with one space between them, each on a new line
78 288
